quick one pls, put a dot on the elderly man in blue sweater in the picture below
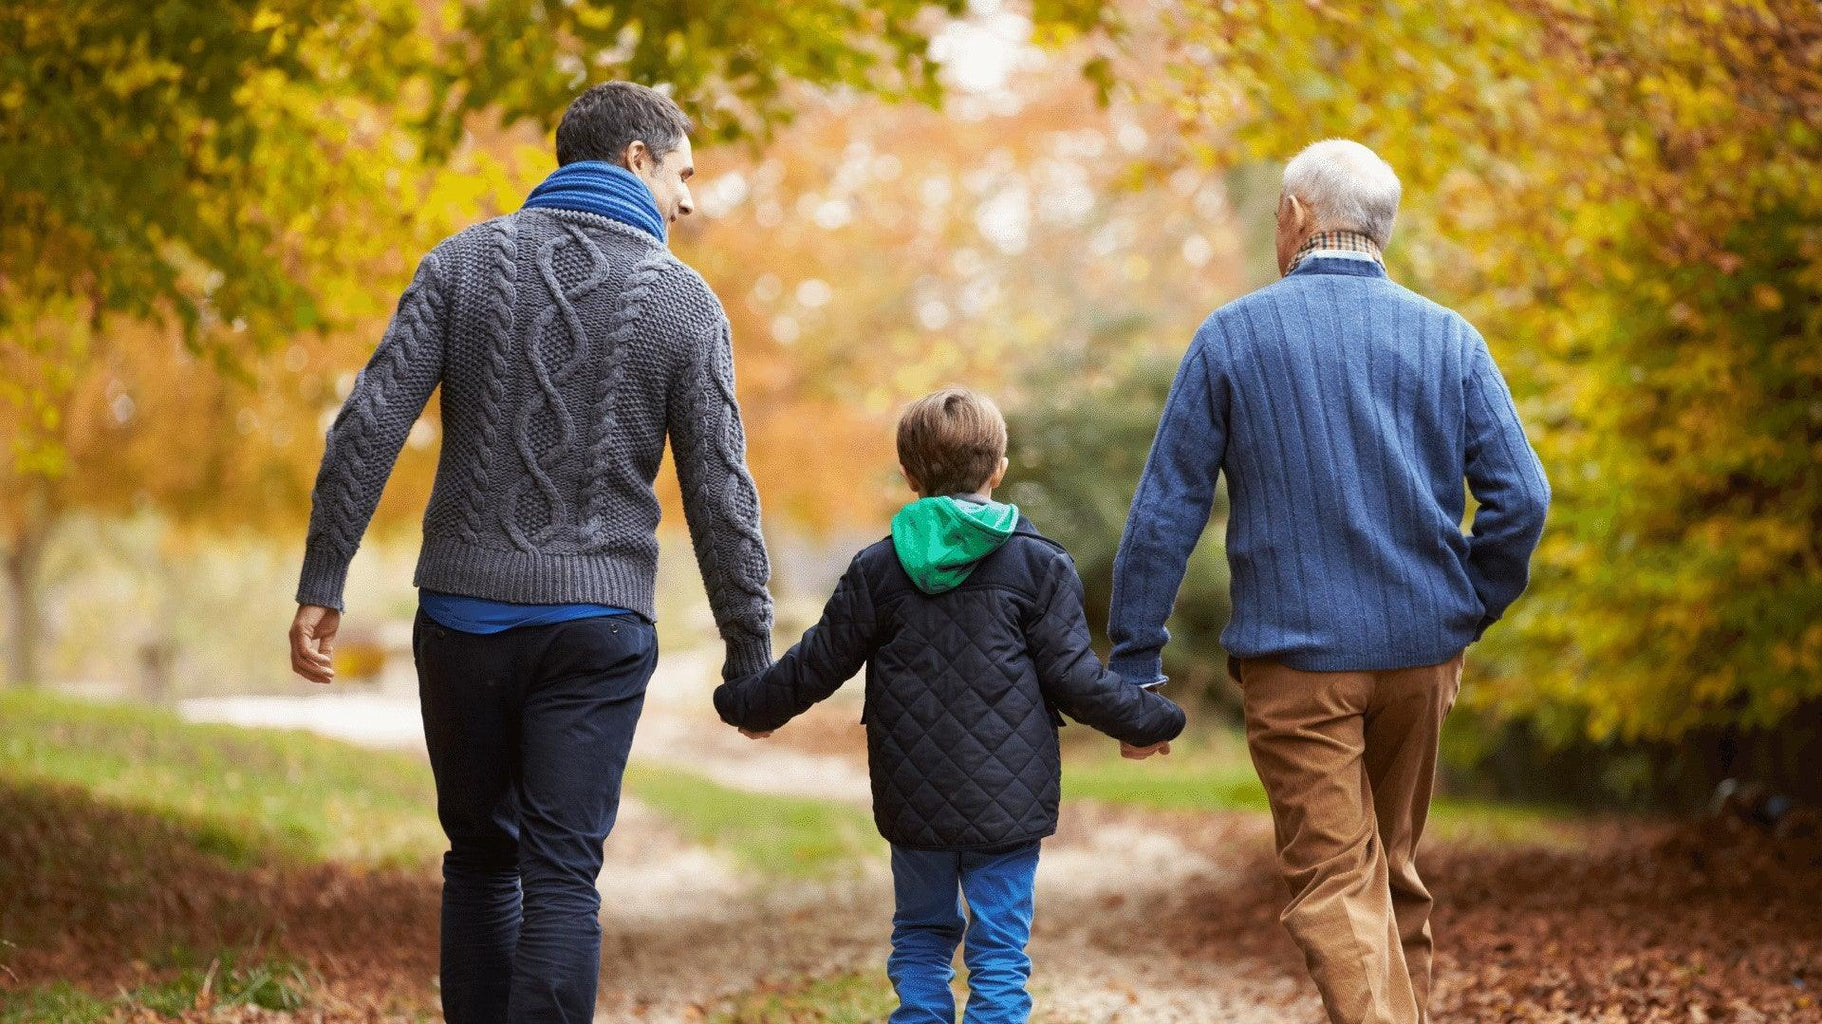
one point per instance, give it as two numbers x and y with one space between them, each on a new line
1346 412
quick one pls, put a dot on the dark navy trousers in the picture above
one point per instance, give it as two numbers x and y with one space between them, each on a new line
528 731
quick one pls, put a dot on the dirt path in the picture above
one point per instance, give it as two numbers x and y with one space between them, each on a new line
686 929
1143 916
1153 917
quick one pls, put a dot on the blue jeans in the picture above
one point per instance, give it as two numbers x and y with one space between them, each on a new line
933 888
528 732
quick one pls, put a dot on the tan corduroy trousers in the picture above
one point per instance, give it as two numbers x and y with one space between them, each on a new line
1348 760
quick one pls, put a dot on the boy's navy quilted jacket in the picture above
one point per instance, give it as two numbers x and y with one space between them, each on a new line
964 690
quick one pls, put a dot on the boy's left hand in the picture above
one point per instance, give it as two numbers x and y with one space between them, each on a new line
751 735
1133 753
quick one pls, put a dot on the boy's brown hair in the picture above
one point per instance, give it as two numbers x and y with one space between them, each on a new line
951 441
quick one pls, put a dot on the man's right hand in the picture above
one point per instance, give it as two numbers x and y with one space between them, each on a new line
313 642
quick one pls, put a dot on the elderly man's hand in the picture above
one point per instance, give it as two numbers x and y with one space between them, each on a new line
1133 753
313 642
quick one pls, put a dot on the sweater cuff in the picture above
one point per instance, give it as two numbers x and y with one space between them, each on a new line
324 575
1143 669
747 655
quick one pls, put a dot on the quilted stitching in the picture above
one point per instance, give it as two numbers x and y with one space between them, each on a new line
962 739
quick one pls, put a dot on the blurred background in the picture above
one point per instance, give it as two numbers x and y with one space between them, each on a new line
209 207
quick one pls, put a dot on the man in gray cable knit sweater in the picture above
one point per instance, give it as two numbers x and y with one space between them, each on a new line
569 345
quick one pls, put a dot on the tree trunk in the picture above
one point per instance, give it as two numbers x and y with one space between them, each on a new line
158 648
23 621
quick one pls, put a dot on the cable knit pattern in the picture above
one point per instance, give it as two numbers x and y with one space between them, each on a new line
721 505
503 280
367 433
568 347
620 340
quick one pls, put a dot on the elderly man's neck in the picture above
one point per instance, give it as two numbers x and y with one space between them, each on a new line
1342 243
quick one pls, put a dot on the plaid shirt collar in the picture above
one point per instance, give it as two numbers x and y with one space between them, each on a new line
1334 242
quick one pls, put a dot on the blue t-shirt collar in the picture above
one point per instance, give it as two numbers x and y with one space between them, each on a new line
598 187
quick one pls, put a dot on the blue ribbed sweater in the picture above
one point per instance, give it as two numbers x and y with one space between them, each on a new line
1346 412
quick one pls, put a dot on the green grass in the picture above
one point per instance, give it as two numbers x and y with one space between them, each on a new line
61 1003
246 793
1212 772
268 984
1205 772
843 999
779 835
1491 823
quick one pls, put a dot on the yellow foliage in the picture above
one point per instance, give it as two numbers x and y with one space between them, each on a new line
1627 199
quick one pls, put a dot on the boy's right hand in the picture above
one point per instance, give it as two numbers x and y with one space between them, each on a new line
751 735
1133 753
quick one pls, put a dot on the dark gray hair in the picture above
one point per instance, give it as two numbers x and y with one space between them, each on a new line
609 117
1346 186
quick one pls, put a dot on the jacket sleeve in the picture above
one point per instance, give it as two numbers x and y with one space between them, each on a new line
1170 510
364 440
1072 676
720 502
1508 482
830 654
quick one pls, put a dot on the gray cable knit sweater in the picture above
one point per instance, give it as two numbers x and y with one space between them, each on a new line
568 347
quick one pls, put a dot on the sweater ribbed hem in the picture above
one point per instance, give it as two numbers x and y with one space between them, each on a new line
1363 660
1142 670
323 578
535 577
747 655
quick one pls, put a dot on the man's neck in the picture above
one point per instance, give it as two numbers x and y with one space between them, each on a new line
1344 243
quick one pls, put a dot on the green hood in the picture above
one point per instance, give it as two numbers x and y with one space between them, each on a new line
939 540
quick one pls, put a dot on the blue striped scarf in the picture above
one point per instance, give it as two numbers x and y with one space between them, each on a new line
596 186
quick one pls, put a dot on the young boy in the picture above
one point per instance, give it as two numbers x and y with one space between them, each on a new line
971 628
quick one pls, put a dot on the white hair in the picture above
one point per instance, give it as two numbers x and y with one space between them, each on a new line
1346 186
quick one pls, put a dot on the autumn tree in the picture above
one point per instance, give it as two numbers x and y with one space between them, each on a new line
242 172
873 252
195 165
1627 200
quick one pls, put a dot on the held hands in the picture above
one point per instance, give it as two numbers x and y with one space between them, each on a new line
313 642
732 709
1133 753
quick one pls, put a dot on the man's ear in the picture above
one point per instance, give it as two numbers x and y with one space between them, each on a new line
999 475
910 481
638 158
1297 212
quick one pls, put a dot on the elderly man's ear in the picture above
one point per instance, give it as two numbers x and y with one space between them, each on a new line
1291 209
1293 227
